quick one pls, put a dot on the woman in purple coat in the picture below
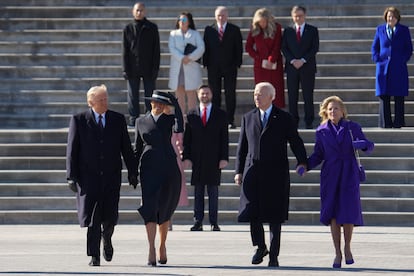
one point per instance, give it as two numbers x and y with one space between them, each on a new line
337 138
391 50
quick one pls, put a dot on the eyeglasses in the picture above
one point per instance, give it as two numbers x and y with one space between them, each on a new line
183 19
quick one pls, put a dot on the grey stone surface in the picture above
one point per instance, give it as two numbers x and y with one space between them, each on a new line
305 250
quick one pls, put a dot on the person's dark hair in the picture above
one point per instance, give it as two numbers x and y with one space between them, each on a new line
189 16
203 86
395 11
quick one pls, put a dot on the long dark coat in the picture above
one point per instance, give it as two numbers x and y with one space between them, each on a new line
93 159
206 145
262 159
141 49
339 191
391 57
160 175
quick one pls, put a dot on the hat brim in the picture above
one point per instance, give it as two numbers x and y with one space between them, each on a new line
158 100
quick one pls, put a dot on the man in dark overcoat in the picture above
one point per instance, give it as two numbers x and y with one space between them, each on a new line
222 57
262 168
206 150
300 44
141 59
96 140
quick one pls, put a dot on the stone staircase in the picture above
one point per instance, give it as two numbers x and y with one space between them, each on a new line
51 52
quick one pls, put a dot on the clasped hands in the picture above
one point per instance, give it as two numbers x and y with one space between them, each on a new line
133 180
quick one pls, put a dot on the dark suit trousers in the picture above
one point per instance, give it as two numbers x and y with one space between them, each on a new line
229 79
98 229
307 83
258 238
385 119
133 95
212 191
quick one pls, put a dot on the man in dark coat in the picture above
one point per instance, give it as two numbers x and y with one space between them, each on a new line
222 57
141 59
206 150
96 140
262 168
300 44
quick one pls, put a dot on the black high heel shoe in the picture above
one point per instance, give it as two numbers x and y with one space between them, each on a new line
163 261
151 263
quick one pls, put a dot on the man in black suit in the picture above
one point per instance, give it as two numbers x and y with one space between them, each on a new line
262 168
222 56
96 140
300 44
141 59
206 150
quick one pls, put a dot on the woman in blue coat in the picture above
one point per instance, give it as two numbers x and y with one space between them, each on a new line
391 50
336 140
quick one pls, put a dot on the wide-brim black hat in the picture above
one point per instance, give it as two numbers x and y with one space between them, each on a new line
159 96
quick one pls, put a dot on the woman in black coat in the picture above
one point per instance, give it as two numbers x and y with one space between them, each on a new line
159 173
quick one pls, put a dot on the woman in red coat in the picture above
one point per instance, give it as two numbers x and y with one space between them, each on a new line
263 45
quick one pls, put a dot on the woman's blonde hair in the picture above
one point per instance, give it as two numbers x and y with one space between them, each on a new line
271 26
323 109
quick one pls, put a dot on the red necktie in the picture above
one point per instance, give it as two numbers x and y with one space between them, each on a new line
298 34
204 116
221 33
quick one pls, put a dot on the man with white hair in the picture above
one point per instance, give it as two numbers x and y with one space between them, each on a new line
262 169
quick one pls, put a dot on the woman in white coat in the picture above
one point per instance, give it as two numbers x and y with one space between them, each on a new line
185 71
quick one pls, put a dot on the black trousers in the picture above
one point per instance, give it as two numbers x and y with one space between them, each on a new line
99 229
258 237
384 119
229 78
306 80
133 95
212 192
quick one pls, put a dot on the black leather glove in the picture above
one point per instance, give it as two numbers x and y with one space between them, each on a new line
125 75
72 185
133 180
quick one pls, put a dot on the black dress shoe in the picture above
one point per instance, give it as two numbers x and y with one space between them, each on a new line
258 256
309 126
198 226
95 261
273 263
108 250
215 227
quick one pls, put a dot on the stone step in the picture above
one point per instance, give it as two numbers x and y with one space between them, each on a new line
186 217
168 23
225 203
225 189
118 9
115 59
59 162
115 35
382 137
54 107
28 71
12 121
47 96
51 83
58 176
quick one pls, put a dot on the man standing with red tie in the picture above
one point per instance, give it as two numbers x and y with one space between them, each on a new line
222 57
206 151
299 46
